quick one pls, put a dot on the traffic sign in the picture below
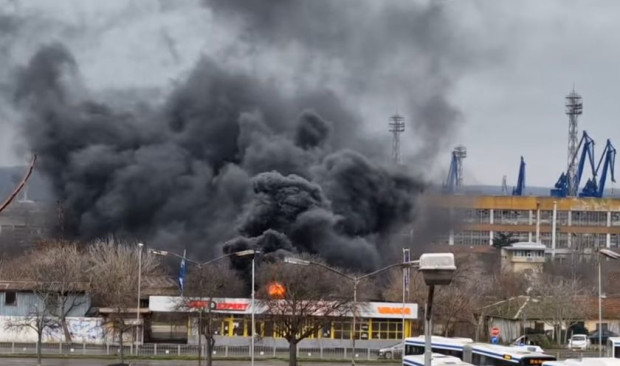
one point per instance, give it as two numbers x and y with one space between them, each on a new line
495 331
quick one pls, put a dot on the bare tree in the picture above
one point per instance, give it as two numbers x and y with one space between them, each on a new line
454 304
114 282
57 272
39 319
10 269
559 302
203 284
458 303
506 285
54 274
301 300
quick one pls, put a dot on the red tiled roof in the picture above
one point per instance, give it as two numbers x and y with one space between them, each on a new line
610 307
509 309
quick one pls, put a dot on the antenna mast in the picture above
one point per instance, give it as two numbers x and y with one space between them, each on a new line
396 127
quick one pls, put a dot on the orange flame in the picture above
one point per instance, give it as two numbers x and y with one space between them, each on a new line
276 289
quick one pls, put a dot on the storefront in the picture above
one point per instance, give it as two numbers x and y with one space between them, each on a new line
375 321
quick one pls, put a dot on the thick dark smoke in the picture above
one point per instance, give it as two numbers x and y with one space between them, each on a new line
409 48
239 158
226 156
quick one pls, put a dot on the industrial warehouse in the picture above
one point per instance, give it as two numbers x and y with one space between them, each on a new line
561 224
575 217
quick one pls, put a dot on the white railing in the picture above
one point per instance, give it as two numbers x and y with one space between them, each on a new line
185 350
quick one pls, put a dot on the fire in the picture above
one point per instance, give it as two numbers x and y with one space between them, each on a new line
276 289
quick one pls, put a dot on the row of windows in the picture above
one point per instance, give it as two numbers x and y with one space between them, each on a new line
511 217
472 238
528 253
527 217
577 241
365 328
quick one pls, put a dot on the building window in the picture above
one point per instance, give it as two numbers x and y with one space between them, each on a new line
471 238
387 329
10 298
361 329
614 241
238 327
342 330
589 218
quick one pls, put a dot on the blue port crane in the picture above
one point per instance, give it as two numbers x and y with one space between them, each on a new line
608 160
518 190
563 187
453 174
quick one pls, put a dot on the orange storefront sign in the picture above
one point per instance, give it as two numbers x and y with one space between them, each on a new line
388 310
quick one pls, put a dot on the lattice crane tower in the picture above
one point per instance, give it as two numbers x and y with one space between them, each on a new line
396 127
574 108
461 153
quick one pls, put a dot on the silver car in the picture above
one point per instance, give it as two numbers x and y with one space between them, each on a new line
394 351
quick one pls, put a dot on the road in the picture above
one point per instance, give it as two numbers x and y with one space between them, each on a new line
86 362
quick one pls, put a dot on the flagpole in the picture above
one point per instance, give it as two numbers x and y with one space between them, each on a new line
182 272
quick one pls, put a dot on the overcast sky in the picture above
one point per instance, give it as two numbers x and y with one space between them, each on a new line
523 58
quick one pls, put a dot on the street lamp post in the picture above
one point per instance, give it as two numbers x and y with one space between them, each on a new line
355 280
243 253
611 255
437 270
140 246
246 253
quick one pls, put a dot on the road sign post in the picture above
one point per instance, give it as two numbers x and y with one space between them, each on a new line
495 332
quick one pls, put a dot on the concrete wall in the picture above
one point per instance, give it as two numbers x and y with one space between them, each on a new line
83 330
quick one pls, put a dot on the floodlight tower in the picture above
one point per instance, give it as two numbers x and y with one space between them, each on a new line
396 127
574 108
461 153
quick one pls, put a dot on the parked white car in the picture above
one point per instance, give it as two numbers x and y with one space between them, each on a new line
579 341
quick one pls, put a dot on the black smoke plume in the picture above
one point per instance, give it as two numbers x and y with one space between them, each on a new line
407 47
225 158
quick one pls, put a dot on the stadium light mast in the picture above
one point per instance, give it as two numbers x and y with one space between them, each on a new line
574 108
396 127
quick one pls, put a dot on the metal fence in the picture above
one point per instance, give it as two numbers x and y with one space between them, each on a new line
186 350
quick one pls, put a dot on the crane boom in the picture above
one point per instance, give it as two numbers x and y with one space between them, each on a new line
518 190
563 187
20 186
452 181
596 188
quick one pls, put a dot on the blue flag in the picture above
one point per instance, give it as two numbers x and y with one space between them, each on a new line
182 274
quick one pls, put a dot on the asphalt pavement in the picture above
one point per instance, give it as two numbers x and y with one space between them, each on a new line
87 362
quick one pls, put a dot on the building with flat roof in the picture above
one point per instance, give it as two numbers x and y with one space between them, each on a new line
523 257
563 225
377 323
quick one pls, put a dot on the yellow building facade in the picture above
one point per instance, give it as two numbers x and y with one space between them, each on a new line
231 318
